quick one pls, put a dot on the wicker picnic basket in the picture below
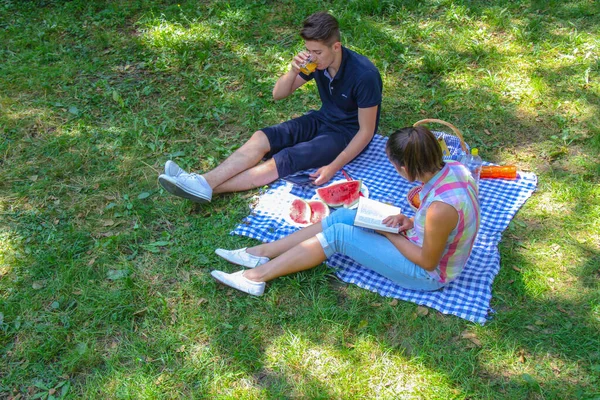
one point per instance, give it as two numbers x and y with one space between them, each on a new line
456 143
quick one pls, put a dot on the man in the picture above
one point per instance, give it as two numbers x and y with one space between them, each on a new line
350 88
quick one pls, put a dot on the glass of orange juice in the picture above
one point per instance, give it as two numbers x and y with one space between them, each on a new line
309 66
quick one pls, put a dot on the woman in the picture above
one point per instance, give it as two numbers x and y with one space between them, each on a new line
431 250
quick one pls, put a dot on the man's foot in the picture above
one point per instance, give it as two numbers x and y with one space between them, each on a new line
173 170
238 281
189 186
242 257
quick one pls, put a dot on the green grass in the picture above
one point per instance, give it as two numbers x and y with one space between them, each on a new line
104 284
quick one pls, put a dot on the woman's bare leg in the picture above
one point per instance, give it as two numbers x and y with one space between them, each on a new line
305 255
280 246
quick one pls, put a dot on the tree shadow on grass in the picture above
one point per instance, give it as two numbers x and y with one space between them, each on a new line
528 345
414 339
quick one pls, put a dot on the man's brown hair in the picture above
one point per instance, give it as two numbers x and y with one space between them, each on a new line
416 149
321 27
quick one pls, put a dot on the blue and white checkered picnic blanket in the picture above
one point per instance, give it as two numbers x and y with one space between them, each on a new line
468 296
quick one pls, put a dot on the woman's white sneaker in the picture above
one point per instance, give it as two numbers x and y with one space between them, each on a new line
242 257
238 281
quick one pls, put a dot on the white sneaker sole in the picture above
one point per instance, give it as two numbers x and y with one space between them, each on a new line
172 186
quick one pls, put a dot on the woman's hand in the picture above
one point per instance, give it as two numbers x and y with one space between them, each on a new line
401 221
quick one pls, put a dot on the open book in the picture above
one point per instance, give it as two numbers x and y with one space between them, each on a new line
371 213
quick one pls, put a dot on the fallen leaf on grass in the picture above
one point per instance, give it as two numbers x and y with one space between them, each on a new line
393 303
516 268
108 234
37 285
184 276
562 310
108 222
471 337
33 178
375 304
531 328
161 377
115 274
422 311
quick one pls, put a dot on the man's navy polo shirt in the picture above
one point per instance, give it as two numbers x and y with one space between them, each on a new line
357 84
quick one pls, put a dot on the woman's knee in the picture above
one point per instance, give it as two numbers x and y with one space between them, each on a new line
337 235
342 216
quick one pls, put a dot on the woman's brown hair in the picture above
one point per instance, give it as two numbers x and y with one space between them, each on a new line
416 149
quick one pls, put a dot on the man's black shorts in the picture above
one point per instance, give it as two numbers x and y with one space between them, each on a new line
305 142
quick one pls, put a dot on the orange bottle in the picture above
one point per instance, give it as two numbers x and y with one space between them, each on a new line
498 171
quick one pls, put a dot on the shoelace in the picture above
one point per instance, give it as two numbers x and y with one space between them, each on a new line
188 176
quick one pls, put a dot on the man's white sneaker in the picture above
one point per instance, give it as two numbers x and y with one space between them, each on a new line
173 170
239 282
242 257
189 186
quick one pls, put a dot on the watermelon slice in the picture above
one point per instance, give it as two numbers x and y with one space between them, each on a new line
340 194
300 212
319 210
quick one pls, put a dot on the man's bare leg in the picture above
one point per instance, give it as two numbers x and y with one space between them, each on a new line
241 160
254 177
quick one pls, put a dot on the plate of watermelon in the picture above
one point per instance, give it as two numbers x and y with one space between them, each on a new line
306 212
343 193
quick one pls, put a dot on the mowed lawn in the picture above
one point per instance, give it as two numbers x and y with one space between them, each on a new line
105 289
